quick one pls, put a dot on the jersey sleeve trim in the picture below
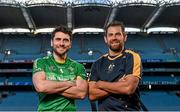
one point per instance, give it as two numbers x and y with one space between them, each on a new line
136 64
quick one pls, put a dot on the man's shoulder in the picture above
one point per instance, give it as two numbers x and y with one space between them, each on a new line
101 58
74 62
131 52
42 59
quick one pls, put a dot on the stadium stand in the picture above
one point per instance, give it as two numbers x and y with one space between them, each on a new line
23 44
161 100
20 75
84 48
46 43
160 51
27 101
143 44
171 42
22 47
152 47
1 50
1 56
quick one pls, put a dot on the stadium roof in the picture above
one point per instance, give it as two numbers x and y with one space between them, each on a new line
36 14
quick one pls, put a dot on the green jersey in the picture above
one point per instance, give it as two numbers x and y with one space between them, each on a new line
55 71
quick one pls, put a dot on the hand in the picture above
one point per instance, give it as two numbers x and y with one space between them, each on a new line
122 78
99 84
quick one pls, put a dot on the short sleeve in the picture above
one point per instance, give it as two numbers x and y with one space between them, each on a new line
93 73
38 65
81 71
134 65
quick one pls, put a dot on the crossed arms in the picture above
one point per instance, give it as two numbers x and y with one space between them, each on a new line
78 89
69 89
100 89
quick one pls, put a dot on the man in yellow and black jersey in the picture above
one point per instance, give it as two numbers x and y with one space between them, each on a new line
57 78
115 76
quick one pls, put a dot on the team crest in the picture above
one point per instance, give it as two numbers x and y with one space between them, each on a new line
71 69
51 68
111 67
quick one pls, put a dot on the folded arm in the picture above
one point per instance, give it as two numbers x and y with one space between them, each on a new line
95 92
126 85
43 85
76 92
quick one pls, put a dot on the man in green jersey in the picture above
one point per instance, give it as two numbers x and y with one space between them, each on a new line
57 78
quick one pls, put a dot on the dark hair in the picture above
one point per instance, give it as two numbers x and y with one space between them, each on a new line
62 28
115 23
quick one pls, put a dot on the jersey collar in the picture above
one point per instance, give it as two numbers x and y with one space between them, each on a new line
117 56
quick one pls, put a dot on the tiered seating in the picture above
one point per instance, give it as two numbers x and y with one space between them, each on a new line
32 47
87 47
96 43
1 51
2 80
149 47
22 47
1 56
19 101
162 101
23 80
28 101
171 41
23 44
74 52
1 42
143 44
46 43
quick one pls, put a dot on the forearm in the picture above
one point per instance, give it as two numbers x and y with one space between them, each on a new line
43 85
50 87
126 85
74 92
78 92
114 87
96 93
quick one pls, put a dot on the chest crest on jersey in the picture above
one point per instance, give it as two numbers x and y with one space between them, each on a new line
71 70
52 68
111 67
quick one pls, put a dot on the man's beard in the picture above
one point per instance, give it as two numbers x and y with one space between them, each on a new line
118 48
59 54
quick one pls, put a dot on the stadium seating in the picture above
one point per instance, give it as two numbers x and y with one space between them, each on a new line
1 51
151 47
46 42
1 56
160 100
87 48
23 44
144 44
171 41
19 101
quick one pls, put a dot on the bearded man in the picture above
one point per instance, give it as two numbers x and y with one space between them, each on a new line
115 76
58 79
